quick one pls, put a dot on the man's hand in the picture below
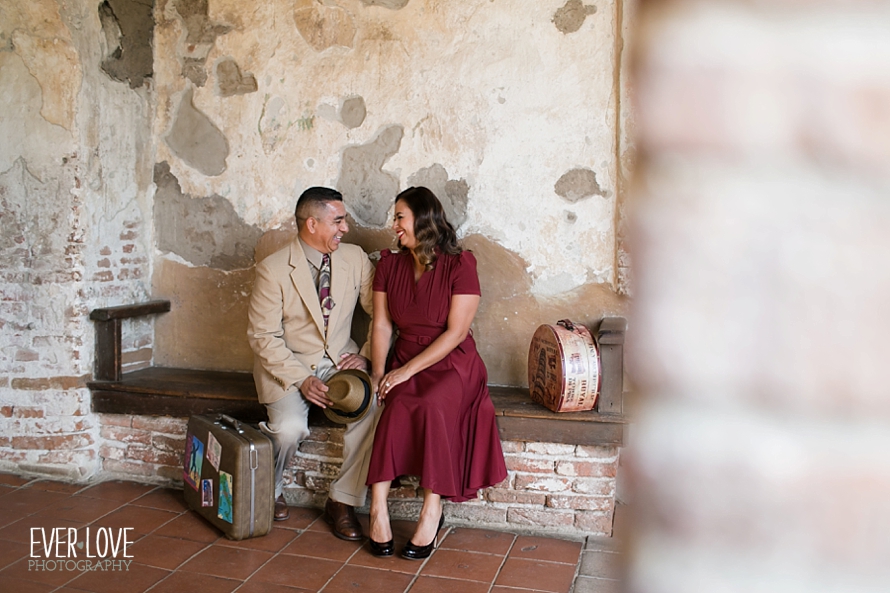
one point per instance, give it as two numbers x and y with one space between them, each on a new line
315 391
352 361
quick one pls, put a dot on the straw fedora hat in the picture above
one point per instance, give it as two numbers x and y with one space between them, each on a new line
351 392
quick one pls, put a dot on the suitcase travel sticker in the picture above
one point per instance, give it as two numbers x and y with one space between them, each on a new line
214 450
207 493
194 460
225 496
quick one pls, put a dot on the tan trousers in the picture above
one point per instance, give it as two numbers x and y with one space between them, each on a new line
288 425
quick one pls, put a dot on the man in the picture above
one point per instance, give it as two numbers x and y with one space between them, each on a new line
299 323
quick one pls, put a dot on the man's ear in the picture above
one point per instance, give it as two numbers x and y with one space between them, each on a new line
311 224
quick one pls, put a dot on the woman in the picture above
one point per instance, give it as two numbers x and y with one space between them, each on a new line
438 422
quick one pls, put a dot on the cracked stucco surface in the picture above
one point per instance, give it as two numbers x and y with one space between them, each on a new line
509 114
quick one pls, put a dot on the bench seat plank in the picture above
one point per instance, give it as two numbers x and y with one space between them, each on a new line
164 391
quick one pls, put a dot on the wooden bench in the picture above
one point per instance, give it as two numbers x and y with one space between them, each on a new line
165 391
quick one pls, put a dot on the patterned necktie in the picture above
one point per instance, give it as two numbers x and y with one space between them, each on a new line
324 288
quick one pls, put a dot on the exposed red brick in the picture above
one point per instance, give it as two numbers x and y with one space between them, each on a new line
164 424
133 260
595 451
595 486
304 463
77 456
322 449
476 513
326 434
506 482
28 412
47 383
126 435
131 467
4 381
541 483
318 483
6 411
116 420
129 247
580 502
593 522
512 446
299 479
12 456
550 448
405 492
105 251
151 455
540 517
331 470
48 443
587 469
129 274
515 496
172 444
529 464
26 355
128 235
103 276
108 451
104 263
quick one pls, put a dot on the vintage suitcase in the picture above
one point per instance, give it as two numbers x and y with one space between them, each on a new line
229 477
564 367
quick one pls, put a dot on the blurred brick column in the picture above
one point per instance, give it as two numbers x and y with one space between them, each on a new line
761 244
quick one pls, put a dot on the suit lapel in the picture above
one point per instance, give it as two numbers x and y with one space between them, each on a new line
339 271
302 280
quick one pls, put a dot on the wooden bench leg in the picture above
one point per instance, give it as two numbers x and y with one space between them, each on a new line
108 350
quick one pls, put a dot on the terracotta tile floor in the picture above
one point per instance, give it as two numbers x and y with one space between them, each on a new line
173 550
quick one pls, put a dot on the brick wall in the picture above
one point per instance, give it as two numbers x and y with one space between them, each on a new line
74 200
550 487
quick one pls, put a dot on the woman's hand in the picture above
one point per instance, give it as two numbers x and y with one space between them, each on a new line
390 380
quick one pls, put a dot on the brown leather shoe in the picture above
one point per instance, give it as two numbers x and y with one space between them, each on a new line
342 519
281 510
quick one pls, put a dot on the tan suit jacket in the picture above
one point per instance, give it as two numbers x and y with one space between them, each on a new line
285 324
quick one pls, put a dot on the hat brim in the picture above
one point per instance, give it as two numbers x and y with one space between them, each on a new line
343 417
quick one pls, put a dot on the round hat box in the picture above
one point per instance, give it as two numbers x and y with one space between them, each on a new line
564 367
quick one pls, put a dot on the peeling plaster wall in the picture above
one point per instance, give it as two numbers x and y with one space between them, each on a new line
75 187
510 112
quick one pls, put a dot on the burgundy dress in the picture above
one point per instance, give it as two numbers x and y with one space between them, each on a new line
440 424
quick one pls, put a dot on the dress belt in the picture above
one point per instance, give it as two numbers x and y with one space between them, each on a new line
422 340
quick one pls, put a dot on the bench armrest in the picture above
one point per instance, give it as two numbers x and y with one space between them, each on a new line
108 335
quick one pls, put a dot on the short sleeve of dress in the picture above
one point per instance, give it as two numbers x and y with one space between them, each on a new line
382 272
466 279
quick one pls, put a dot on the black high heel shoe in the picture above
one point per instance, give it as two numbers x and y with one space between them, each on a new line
415 552
384 549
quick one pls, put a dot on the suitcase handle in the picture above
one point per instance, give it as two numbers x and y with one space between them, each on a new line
231 422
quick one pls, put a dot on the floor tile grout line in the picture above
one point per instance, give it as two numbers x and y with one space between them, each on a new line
180 565
274 555
578 563
448 529
503 561
70 495
342 566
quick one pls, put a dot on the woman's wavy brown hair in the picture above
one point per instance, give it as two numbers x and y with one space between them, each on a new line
431 228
